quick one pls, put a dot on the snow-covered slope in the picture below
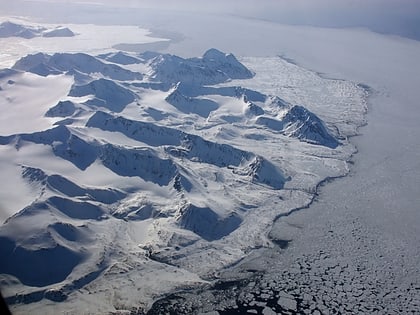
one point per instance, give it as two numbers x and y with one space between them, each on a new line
44 65
9 29
300 123
164 167
121 58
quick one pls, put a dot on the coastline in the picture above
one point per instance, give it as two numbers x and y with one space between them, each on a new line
362 227
332 261
251 274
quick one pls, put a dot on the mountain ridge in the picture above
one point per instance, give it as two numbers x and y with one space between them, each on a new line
178 158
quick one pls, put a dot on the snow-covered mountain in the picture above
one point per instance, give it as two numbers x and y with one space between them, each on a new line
165 162
43 64
187 104
106 93
300 123
62 109
10 29
214 67
121 58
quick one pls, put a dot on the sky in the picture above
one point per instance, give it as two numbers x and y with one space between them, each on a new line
399 17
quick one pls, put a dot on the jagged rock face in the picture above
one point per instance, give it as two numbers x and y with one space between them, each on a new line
300 123
304 125
62 109
252 109
9 29
183 145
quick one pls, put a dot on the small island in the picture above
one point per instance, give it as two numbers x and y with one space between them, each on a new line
11 29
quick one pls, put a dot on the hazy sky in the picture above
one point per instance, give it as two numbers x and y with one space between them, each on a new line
401 17
387 16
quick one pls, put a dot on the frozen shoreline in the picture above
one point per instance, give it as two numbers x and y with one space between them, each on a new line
256 276
339 254
363 228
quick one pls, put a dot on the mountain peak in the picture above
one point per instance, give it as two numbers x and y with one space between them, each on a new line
11 29
59 32
213 68
304 125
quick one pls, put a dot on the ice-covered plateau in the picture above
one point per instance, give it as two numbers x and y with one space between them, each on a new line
147 173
